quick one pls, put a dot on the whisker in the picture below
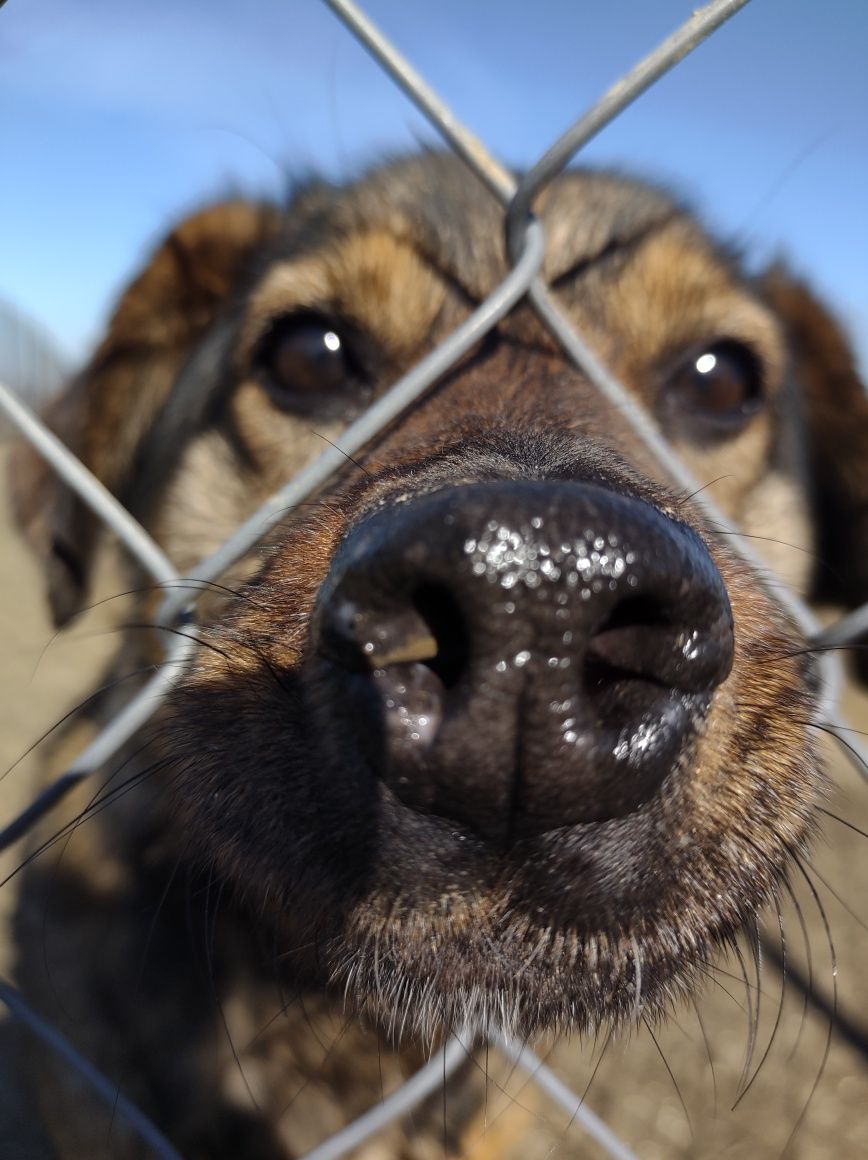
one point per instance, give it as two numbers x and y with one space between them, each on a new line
75 710
212 979
843 822
806 942
846 1028
834 1006
684 500
345 454
502 1087
832 731
718 531
709 972
705 1039
671 1073
780 1010
751 1019
96 807
859 921
582 1098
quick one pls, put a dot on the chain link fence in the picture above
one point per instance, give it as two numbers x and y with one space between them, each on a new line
29 362
525 243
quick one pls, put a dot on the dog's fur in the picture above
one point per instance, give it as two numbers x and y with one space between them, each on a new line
254 864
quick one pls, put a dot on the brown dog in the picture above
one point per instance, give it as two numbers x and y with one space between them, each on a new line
498 729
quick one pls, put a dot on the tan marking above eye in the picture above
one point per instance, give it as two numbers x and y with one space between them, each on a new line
378 282
676 295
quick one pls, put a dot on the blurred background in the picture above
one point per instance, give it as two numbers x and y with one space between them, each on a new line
115 116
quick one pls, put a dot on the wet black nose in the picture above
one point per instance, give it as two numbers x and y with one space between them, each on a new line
519 656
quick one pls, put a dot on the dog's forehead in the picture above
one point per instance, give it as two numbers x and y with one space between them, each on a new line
405 250
435 202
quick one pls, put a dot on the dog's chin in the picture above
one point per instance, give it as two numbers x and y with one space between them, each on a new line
588 927
426 975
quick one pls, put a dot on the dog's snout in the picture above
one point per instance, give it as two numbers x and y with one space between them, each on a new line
520 656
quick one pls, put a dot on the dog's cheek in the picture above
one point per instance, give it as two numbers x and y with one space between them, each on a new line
275 443
250 798
229 470
759 780
776 518
208 497
243 752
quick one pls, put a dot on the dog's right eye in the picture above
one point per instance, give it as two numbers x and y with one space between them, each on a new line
306 360
715 389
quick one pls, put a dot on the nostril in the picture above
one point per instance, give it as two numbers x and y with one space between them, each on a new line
397 651
685 647
619 648
635 611
442 615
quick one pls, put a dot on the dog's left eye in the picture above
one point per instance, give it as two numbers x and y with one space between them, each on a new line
719 383
305 360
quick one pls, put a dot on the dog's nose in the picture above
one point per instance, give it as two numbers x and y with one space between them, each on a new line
520 656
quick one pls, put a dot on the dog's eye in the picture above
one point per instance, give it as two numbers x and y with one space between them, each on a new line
306 359
720 382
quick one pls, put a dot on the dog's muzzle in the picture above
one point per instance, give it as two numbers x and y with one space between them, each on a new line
521 656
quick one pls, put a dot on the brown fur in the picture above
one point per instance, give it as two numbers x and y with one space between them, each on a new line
258 868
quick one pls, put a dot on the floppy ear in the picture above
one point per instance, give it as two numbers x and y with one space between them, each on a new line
109 412
835 410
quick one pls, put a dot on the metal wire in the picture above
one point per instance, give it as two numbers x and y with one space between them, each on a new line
116 1101
651 68
525 244
466 144
108 742
521 1055
97 497
412 1092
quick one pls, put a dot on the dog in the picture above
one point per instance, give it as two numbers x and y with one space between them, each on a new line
500 729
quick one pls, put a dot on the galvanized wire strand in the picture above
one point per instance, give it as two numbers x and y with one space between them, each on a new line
530 1063
152 558
844 631
466 144
409 388
497 178
108 1092
412 1092
624 92
97 497
108 742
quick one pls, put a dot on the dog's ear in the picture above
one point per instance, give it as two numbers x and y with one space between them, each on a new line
835 412
109 411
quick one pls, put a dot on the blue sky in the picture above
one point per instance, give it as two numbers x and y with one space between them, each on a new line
115 116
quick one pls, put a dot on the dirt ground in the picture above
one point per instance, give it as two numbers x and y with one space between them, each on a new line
666 1103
